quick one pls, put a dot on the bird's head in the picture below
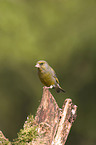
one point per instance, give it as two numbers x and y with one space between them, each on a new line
42 65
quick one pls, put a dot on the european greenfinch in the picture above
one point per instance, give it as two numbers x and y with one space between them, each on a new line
48 76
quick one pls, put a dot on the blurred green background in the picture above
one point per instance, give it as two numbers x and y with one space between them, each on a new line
62 32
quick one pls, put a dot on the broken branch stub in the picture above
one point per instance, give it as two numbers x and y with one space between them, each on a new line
54 125
68 116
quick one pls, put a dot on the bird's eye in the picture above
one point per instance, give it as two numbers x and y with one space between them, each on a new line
41 63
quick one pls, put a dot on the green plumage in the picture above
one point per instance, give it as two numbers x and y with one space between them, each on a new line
47 75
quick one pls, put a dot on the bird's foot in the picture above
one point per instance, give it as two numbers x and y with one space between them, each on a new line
51 87
48 87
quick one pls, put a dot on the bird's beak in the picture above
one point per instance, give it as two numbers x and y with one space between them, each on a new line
37 65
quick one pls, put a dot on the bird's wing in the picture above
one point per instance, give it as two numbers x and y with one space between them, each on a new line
54 75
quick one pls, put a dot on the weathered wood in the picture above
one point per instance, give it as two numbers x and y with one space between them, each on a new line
68 116
54 125
47 117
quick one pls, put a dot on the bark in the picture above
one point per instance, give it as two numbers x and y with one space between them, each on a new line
54 123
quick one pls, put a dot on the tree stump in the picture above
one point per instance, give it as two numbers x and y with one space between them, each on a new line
54 123
51 123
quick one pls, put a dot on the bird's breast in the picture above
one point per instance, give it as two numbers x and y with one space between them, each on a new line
46 78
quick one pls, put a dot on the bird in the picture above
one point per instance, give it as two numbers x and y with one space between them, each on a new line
48 76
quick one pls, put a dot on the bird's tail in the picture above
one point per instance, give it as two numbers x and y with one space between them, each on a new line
58 89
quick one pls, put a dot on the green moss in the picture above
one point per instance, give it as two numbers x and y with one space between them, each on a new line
28 133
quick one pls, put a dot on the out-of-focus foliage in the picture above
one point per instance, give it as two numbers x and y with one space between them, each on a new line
62 33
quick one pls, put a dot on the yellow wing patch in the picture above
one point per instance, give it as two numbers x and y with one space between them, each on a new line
54 75
56 79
